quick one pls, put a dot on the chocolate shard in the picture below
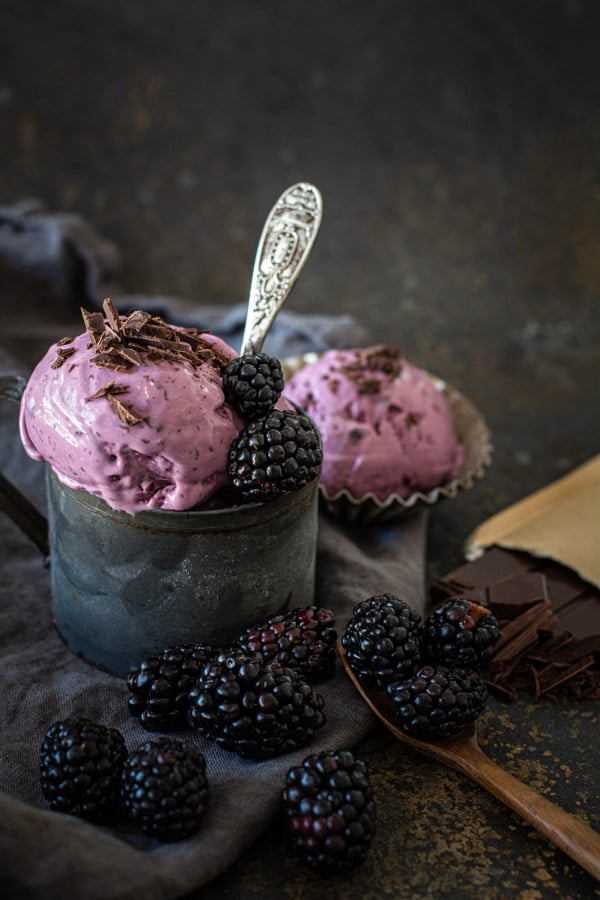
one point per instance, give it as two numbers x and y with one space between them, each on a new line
62 354
126 415
136 320
111 361
513 595
130 355
111 314
550 680
109 389
94 324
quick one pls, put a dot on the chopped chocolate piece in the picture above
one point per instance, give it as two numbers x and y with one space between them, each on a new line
129 355
523 632
493 566
509 597
111 388
582 614
63 341
136 320
112 315
94 324
446 588
126 415
566 584
503 690
112 361
61 355
548 680
368 385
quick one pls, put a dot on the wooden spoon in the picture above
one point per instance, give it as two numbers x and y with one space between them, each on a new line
463 753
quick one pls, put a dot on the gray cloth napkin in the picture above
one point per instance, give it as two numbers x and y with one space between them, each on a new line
50 855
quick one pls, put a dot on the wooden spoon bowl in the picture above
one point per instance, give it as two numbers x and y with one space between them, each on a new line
462 752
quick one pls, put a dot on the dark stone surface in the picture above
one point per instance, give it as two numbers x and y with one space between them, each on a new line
456 147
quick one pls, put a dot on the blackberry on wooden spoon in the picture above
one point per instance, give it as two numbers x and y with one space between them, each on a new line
437 702
383 640
460 633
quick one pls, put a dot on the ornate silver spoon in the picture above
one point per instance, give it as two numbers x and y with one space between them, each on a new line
286 240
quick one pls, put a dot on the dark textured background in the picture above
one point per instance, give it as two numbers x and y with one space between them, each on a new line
457 148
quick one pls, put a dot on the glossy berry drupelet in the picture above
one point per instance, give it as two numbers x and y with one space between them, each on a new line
302 640
80 766
255 709
460 633
274 455
164 788
330 811
252 384
383 640
159 685
437 702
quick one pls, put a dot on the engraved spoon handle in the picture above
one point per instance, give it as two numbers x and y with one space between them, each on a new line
286 240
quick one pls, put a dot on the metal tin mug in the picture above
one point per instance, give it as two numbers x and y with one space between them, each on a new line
125 587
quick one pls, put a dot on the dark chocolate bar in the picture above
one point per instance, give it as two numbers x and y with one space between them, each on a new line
549 619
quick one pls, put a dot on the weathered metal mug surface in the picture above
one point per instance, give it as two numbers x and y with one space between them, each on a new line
125 587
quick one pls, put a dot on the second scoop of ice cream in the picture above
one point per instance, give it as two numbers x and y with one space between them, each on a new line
386 427
150 435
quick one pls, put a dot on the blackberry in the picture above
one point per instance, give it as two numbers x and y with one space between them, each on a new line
80 765
160 685
255 709
460 633
278 453
164 788
437 702
252 384
302 640
331 814
383 640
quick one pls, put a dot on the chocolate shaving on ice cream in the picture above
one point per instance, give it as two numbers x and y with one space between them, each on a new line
121 342
62 354
111 388
381 359
549 642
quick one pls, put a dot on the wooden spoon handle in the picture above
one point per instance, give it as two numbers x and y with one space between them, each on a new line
568 833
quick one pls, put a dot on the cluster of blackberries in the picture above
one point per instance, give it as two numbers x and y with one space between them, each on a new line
85 770
253 698
429 670
162 786
280 450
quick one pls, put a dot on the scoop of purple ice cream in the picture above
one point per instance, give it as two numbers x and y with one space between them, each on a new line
149 434
386 428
